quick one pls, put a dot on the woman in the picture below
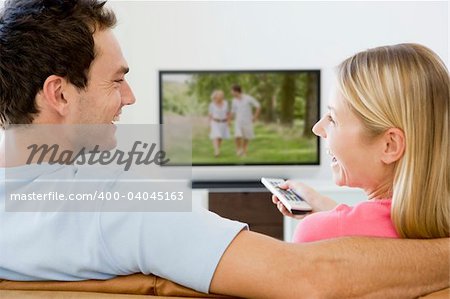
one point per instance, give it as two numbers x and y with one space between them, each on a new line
219 119
387 131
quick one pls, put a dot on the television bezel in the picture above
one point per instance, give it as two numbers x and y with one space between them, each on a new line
160 92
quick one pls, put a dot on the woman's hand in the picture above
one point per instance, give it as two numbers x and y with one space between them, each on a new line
317 201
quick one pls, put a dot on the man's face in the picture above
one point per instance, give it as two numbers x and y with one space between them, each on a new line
99 105
107 90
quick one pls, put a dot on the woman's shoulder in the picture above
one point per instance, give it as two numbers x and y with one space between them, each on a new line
368 206
367 218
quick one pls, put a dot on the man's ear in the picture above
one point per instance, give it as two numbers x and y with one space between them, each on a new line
394 145
56 94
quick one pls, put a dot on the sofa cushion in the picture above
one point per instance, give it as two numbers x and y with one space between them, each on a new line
136 284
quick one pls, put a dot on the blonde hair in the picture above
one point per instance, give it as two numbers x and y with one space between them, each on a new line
216 93
407 86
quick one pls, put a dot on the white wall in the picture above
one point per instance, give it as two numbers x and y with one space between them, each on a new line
264 35
268 35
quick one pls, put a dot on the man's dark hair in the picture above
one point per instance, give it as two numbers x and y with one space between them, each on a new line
236 88
40 38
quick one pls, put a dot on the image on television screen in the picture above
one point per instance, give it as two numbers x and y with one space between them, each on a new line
243 117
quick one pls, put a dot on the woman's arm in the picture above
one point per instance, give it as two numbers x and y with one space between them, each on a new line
255 265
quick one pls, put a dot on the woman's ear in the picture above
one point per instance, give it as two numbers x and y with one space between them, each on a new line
55 93
394 145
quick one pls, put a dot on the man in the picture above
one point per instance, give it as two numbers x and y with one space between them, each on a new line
61 64
242 110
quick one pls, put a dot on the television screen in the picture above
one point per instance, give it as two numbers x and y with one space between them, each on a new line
243 117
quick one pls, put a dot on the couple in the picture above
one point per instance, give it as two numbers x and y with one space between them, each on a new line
241 110
201 250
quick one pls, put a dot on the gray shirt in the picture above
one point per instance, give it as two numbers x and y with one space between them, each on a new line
242 109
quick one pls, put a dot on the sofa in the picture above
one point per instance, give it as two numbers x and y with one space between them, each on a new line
123 287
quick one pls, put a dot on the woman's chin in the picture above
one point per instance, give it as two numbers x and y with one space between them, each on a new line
339 182
338 178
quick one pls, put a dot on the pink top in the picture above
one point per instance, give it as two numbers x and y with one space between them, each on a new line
369 218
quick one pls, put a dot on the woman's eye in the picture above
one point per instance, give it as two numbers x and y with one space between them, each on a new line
118 81
330 118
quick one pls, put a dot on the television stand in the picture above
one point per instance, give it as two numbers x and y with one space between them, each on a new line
254 207
228 186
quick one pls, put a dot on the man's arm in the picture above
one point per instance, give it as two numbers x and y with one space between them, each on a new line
255 265
256 115
257 106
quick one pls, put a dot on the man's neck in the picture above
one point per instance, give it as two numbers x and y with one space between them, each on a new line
2 150
17 144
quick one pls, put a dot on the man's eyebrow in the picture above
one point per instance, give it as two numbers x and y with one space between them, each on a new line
122 70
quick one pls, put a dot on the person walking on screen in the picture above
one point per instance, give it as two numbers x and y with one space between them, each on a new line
219 118
241 109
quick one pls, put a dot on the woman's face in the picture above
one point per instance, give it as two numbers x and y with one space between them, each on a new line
218 97
355 156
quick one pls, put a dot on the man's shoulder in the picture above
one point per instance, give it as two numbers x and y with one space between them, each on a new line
34 171
249 98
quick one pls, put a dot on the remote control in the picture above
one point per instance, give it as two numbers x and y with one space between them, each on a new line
291 200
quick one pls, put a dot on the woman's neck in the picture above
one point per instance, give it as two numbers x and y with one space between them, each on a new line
382 191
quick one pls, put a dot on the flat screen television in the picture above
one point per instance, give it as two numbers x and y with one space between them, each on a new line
220 105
